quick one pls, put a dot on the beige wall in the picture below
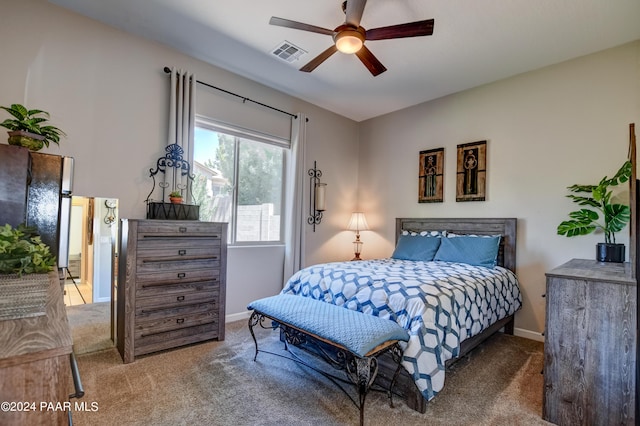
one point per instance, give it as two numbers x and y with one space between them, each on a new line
545 129
107 90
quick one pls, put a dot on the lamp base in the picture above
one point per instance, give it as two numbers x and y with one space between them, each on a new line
357 257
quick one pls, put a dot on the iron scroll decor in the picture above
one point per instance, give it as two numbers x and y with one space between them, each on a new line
175 169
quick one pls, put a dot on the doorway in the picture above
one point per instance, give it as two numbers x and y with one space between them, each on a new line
92 239
78 288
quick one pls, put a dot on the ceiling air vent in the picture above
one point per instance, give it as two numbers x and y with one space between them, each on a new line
288 52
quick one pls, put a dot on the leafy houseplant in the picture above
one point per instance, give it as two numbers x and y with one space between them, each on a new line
29 128
23 252
614 216
175 197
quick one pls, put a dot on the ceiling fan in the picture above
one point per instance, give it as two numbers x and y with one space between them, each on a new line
350 36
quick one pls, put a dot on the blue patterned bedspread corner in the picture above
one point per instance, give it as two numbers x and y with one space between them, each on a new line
440 304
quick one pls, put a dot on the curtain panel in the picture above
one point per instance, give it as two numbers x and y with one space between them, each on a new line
294 231
182 117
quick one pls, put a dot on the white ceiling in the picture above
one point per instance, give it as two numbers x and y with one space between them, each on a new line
474 42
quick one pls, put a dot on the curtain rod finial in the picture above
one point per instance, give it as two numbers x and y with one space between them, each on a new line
167 70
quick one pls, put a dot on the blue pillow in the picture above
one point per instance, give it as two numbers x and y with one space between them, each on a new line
473 250
416 247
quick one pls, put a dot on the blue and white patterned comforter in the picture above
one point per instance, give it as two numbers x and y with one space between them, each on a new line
440 304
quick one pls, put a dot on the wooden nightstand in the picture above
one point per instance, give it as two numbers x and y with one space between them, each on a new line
590 341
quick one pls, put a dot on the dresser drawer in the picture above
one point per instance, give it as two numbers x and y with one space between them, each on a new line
175 319
170 290
179 252
176 276
164 301
197 229
157 242
174 338
174 267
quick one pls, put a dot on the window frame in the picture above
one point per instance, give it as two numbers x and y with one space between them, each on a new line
255 136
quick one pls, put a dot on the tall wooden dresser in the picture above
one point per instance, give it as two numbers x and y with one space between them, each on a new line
590 342
171 284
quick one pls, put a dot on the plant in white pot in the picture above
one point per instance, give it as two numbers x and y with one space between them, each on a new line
615 216
30 128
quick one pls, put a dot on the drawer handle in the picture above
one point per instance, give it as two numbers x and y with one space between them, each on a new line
182 252
182 229
180 298
182 275
180 320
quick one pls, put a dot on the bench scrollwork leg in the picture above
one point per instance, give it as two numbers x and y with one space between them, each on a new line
362 372
254 319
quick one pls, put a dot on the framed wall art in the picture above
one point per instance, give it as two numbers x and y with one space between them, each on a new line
471 171
430 176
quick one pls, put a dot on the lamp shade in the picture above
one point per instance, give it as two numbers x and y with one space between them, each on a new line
349 41
357 222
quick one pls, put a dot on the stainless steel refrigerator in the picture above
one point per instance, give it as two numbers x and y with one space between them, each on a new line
35 189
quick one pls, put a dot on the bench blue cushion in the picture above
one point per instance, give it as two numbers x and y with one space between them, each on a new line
357 332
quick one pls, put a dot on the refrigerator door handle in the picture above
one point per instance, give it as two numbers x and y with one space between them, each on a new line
67 175
65 228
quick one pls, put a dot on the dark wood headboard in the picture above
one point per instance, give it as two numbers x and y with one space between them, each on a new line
478 226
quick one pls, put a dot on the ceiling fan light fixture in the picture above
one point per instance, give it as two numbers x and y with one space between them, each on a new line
349 41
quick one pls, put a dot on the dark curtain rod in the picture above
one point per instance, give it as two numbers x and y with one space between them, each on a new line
244 99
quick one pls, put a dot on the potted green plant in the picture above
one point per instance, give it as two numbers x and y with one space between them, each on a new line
30 128
23 252
175 197
614 215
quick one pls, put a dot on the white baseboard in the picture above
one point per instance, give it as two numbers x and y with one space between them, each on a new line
237 317
528 334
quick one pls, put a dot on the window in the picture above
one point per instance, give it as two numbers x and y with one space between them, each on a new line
239 179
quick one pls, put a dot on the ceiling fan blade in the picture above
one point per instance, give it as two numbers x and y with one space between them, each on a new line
372 63
354 11
281 22
313 64
411 29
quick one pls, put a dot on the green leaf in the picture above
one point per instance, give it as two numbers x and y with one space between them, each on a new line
584 215
599 192
572 228
581 188
621 176
617 216
38 111
584 201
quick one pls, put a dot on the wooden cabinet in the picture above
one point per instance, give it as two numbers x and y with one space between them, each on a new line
35 365
171 284
590 341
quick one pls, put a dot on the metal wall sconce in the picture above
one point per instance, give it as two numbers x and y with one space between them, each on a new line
110 216
317 194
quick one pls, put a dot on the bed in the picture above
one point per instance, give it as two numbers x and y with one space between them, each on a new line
448 306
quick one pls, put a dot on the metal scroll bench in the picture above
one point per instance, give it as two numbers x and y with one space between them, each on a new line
346 339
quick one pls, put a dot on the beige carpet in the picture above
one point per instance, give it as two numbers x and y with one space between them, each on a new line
218 383
90 327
